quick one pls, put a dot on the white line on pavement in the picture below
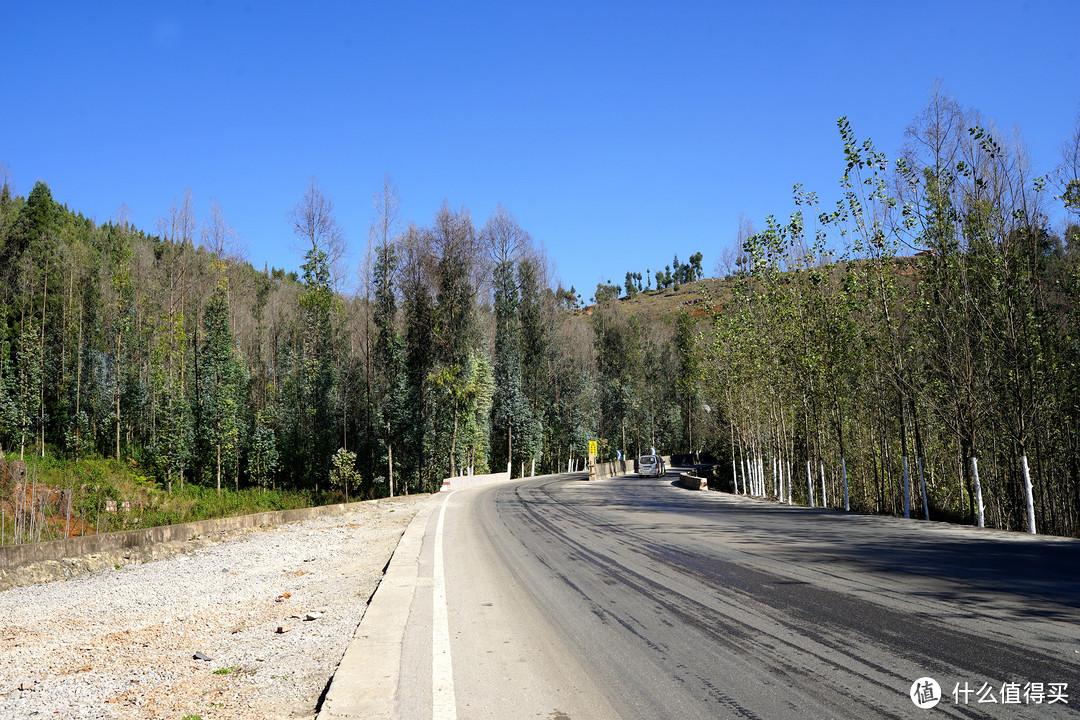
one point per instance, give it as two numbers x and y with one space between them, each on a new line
443 700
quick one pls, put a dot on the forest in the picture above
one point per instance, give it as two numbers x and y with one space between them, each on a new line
913 349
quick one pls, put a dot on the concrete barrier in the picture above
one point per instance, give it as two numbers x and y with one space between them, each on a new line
692 482
616 468
464 481
612 469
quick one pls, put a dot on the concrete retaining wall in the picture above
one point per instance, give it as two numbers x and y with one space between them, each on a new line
15 555
692 482
464 481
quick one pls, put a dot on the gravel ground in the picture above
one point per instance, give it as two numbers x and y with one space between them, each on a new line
121 644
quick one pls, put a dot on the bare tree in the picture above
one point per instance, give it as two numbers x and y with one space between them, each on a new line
318 231
6 178
220 238
384 228
1067 175
180 225
503 238
733 257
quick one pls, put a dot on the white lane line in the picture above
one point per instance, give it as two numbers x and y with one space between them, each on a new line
443 699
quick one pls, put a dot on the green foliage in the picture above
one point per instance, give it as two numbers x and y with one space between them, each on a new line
343 471
263 456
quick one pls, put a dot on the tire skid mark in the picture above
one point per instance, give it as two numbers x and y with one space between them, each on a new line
729 634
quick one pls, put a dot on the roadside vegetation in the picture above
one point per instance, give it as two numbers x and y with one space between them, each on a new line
54 498
920 333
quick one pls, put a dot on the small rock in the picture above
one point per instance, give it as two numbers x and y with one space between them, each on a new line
201 656
313 616
283 629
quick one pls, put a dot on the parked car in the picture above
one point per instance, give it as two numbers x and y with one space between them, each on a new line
651 466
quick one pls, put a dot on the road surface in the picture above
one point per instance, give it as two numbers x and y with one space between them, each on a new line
557 598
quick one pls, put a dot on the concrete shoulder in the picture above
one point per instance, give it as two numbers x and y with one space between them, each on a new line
366 681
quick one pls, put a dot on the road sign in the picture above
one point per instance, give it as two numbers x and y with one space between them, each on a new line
592 447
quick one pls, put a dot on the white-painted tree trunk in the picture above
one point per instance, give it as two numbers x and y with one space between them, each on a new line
907 494
824 496
789 499
922 484
761 474
980 517
809 483
780 484
532 468
1028 494
847 502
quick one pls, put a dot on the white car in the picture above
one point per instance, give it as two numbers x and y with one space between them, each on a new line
651 466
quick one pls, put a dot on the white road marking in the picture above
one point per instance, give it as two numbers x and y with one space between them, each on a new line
443 699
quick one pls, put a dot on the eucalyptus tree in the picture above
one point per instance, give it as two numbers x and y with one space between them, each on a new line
171 446
315 373
506 242
456 330
389 351
221 385
536 312
418 311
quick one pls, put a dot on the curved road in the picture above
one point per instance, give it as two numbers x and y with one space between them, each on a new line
634 598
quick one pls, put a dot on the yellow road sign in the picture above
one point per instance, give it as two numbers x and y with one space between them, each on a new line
592 447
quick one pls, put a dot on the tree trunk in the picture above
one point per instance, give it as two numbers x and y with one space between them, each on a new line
981 521
390 458
847 502
922 484
118 335
907 493
453 441
824 495
1028 494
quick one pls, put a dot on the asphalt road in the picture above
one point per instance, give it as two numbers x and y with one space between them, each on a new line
634 598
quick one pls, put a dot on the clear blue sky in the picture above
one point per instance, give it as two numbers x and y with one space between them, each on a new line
617 133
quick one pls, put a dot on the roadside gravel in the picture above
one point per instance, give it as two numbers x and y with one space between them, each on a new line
122 644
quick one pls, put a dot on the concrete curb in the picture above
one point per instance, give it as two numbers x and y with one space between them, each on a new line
366 680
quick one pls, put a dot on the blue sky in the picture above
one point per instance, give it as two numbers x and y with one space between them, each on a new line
619 134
